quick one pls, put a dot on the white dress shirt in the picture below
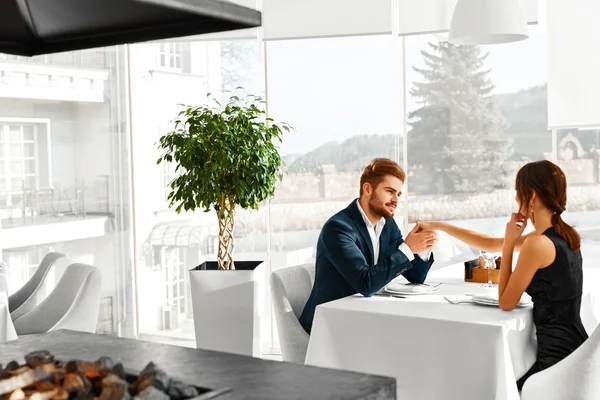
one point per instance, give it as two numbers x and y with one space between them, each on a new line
375 233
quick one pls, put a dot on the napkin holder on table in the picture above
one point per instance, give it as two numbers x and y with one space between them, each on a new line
476 272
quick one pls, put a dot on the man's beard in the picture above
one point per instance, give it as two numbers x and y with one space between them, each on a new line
379 208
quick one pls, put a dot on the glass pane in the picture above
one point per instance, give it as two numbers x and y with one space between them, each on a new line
353 87
16 184
30 166
471 126
345 131
88 172
28 132
16 150
578 156
31 183
1 150
15 133
29 149
16 167
237 63
2 168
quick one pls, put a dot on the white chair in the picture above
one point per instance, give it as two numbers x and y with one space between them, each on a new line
73 304
34 290
577 377
290 289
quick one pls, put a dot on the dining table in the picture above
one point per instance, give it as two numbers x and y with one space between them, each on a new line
438 344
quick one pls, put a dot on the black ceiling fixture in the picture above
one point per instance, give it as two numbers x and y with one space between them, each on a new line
32 27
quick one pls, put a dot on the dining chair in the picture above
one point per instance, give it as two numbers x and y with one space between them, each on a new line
73 304
574 378
290 289
34 290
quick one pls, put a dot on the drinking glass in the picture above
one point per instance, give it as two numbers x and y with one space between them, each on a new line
490 263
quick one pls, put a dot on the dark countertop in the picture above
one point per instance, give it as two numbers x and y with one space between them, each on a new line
250 378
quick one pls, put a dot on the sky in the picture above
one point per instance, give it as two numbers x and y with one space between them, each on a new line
332 89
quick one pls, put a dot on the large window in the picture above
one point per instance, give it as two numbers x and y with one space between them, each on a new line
345 103
174 280
343 96
64 171
18 148
168 244
475 115
24 262
577 155
173 56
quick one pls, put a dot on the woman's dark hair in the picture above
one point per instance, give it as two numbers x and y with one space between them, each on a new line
548 181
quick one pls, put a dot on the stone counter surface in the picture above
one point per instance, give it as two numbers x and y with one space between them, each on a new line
250 378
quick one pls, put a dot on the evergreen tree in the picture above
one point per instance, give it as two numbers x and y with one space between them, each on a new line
456 140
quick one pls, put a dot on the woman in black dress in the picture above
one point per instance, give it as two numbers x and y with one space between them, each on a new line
549 267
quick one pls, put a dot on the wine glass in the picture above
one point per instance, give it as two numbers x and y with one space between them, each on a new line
490 263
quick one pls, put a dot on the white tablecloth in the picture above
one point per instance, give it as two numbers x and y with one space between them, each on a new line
7 329
434 349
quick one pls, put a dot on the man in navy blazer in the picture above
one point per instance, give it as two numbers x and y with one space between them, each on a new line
361 249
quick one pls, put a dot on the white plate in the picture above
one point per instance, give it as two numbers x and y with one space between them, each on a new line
486 301
409 288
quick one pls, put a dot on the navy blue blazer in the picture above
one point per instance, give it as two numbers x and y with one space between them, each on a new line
345 261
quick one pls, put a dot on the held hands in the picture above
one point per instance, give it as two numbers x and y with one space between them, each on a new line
419 239
429 225
514 229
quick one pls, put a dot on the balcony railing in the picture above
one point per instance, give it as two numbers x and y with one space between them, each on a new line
71 80
27 206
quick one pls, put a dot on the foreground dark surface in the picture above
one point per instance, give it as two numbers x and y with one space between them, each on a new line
250 378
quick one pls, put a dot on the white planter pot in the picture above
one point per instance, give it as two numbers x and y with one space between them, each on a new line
226 307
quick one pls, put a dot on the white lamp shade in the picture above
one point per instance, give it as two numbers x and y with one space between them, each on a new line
477 22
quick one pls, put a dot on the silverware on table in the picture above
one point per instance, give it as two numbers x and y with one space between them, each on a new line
457 301
390 295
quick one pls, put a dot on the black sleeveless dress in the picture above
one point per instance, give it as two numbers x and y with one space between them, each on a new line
556 293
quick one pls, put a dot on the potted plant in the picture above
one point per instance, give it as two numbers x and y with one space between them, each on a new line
226 157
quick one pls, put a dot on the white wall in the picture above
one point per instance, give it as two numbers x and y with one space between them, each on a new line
92 139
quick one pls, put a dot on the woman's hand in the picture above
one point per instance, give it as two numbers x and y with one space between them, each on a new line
514 229
430 225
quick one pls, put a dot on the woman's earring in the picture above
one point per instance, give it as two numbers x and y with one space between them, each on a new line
532 216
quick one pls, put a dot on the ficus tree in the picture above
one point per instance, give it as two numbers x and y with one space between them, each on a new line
225 156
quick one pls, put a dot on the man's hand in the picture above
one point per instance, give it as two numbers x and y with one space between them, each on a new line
419 240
